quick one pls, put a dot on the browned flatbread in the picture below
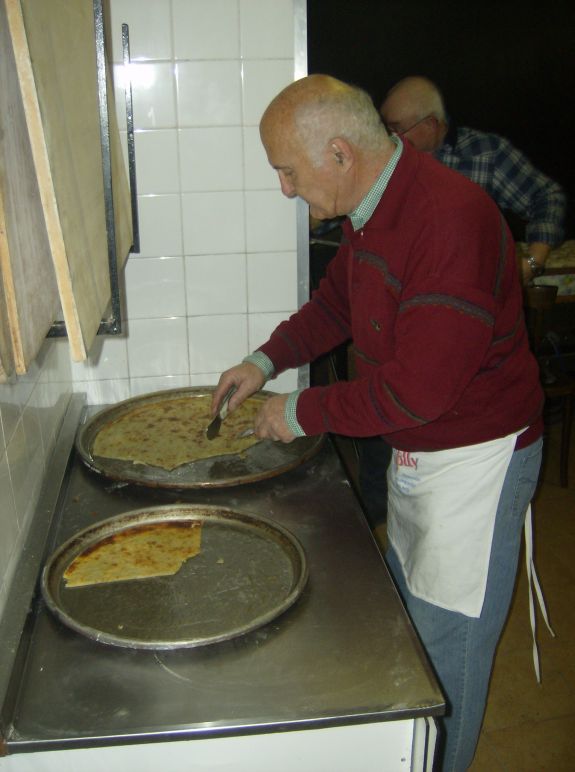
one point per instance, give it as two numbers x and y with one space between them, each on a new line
172 432
158 549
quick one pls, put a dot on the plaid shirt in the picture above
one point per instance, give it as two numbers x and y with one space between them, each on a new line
510 179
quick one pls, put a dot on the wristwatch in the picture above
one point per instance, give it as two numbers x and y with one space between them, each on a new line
536 268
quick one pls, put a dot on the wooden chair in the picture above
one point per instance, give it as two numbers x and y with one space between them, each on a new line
558 386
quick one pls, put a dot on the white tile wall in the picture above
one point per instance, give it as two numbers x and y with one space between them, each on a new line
155 288
153 94
261 326
209 93
150 29
8 518
206 30
108 359
259 175
149 384
157 347
266 30
31 411
158 166
262 79
160 226
216 284
211 159
217 342
214 222
272 281
270 221
218 240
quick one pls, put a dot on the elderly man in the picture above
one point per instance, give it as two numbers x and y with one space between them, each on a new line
414 109
425 284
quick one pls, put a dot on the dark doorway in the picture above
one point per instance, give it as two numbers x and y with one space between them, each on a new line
502 66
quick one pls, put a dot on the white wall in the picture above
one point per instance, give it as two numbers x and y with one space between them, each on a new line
31 412
217 268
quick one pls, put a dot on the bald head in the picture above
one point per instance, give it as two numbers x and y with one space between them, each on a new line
327 143
317 108
414 107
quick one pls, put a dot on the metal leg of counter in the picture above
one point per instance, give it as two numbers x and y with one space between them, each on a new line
424 741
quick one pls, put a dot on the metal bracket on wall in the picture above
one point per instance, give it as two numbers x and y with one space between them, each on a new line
113 324
130 139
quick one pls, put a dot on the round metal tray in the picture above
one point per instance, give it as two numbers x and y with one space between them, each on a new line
261 461
248 571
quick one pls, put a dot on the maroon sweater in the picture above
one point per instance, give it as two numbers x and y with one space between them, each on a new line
429 293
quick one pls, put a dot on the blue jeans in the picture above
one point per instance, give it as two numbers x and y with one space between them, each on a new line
461 648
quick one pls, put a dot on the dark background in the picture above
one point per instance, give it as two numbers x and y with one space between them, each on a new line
502 65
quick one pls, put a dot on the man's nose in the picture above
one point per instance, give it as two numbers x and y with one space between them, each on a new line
287 187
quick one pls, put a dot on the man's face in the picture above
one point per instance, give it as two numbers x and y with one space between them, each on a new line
318 186
401 118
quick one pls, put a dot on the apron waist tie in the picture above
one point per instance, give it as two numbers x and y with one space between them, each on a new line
533 582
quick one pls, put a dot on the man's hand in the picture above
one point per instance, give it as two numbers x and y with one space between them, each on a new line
247 378
270 423
540 252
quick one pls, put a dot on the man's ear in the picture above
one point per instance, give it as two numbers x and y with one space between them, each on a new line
341 152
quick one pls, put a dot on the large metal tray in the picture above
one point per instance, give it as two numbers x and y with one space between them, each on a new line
248 572
261 461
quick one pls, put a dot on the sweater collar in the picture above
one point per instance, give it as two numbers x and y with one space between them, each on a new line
368 204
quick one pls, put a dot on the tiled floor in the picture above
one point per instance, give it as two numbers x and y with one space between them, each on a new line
530 727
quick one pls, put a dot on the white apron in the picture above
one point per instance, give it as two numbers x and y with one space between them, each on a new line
441 515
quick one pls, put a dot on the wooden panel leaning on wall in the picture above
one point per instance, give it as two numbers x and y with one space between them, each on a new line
29 281
54 86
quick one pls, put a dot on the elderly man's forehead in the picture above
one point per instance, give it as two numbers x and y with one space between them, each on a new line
396 110
277 113
276 125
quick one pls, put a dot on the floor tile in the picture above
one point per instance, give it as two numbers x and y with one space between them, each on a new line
529 727
544 746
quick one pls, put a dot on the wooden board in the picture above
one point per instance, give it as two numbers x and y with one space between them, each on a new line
53 47
29 282
60 37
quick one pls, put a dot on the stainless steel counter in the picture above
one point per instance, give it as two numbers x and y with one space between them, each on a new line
344 653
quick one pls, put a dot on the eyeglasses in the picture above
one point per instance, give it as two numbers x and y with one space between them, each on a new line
401 132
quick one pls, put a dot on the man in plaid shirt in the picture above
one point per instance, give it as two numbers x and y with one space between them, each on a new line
414 109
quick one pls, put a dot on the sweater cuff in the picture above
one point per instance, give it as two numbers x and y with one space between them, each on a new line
290 414
261 360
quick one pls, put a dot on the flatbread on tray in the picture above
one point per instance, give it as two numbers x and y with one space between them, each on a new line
140 552
169 433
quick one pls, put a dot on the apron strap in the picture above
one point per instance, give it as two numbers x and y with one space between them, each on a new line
533 581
